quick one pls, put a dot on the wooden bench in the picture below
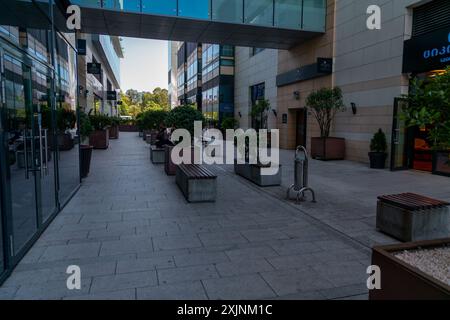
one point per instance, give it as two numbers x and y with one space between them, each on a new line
413 217
157 155
197 183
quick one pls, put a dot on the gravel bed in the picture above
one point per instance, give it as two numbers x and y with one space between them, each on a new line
434 262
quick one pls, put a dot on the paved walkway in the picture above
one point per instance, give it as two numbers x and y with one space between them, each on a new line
135 237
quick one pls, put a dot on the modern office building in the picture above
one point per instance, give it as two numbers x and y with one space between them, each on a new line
172 73
255 79
205 78
218 83
375 67
94 88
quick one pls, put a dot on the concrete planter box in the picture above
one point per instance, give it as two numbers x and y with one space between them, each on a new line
328 148
413 225
157 155
402 281
252 172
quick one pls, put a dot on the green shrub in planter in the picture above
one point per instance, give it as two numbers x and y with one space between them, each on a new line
184 118
378 147
100 121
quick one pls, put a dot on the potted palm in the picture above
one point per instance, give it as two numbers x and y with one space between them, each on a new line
99 138
86 130
378 147
324 104
180 118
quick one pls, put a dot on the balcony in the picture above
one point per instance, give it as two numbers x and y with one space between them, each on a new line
279 24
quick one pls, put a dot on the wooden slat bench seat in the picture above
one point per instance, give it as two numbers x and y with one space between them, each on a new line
413 217
197 183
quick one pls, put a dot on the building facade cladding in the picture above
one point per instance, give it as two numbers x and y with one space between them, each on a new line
255 67
194 74
105 50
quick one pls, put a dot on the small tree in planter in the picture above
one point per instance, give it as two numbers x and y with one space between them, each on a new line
325 104
259 114
86 129
99 139
151 120
180 118
378 147
65 121
428 106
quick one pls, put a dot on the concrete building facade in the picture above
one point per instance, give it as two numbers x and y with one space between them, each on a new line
255 67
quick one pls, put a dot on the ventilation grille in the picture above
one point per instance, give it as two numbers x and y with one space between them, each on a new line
430 17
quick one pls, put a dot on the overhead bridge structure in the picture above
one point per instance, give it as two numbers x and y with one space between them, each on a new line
278 24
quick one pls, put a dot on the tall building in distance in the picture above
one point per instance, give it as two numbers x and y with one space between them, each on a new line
172 73
205 78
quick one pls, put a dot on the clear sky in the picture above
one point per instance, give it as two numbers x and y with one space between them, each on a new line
145 64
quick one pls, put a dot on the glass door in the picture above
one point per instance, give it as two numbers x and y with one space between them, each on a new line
399 154
22 151
2 249
42 110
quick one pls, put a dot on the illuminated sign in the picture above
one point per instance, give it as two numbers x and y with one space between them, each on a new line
427 52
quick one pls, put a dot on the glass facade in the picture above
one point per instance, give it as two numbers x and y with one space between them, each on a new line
39 149
217 83
289 14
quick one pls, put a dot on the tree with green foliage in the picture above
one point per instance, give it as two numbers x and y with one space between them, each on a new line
152 119
259 113
183 117
429 106
324 105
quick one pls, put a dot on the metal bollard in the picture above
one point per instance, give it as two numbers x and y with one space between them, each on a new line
300 185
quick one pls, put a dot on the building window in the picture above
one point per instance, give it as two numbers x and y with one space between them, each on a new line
254 51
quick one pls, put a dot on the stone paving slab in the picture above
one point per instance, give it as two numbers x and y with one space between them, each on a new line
134 236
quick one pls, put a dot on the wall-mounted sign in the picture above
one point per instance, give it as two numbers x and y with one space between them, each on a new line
81 47
284 118
94 68
111 95
325 65
427 52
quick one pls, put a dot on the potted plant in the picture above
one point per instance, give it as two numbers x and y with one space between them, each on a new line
180 118
378 147
86 130
428 107
99 138
114 128
324 104
228 123
65 121
152 119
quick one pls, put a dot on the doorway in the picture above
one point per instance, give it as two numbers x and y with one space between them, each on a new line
300 127
29 194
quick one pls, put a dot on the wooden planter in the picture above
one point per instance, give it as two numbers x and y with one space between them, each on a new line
328 148
114 132
65 141
85 164
401 281
252 172
128 128
99 139
169 167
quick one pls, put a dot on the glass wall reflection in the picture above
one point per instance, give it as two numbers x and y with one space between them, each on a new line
228 10
162 7
259 12
288 14
66 118
314 14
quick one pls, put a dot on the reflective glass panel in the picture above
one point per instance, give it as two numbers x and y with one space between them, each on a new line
163 7
288 14
259 12
194 9
228 10
314 14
